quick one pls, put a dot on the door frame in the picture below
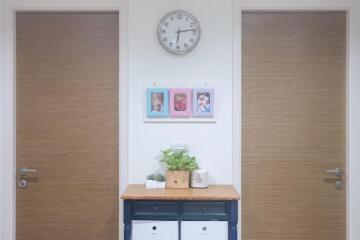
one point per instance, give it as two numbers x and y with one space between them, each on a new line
352 9
8 97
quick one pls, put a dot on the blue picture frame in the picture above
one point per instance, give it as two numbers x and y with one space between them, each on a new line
157 102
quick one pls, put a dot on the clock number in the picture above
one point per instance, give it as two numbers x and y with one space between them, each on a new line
192 24
186 45
166 24
179 16
177 47
192 40
163 31
170 44
194 32
165 39
172 18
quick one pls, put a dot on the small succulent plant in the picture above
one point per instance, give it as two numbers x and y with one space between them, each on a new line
156 177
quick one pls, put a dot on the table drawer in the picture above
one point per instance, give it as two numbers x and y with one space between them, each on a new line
155 230
144 209
216 209
204 230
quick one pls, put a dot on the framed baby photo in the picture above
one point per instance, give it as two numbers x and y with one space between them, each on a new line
203 103
180 102
157 102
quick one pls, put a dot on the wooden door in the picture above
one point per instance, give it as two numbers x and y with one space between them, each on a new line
67 125
293 125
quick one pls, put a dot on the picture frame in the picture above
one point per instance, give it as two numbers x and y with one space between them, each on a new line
203 102
157 102
180 102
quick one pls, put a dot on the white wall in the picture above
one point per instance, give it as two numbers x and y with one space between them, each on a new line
1 119
211 60
217 58
354 125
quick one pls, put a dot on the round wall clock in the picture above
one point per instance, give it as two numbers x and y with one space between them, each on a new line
179 32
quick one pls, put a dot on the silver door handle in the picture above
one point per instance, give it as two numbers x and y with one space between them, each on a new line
24 171
337 172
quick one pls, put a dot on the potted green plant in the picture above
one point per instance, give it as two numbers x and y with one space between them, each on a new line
179 165
155 180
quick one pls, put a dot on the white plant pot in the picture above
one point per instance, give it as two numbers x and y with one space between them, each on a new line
154 184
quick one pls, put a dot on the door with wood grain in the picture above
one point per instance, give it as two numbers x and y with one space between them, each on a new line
293 125
67 125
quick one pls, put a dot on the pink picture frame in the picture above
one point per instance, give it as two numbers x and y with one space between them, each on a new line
180 102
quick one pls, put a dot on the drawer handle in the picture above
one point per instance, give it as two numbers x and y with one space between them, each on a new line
204 228
154 228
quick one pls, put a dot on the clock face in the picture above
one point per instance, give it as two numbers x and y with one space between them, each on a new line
179 32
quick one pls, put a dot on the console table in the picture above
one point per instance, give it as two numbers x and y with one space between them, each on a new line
216 203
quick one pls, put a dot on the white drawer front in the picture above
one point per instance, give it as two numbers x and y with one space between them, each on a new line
204 230
154 230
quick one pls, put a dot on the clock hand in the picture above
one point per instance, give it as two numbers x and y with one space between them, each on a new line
188 30
180 31
178 35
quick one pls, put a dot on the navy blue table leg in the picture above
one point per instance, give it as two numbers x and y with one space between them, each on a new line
127 220
233 220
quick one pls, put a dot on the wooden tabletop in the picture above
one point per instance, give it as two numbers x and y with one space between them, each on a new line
213 192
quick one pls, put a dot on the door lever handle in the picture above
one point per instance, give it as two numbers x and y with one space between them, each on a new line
337 172
23 171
